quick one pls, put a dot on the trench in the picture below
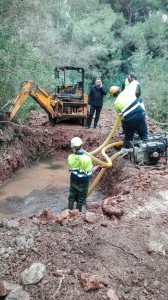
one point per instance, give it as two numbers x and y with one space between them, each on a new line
45 185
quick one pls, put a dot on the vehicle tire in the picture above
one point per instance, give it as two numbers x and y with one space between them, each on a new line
84 122
52 121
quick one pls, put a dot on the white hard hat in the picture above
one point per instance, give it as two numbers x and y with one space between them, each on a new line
76 142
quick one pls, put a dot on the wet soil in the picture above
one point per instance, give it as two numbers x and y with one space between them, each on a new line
129 251
32 190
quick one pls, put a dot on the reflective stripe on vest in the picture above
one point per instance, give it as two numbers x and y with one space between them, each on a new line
126 112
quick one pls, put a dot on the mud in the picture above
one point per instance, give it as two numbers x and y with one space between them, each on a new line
129 252
38 187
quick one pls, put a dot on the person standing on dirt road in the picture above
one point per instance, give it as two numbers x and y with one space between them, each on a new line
96 94
128 106
81 168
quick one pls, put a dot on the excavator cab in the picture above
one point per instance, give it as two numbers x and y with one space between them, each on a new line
69 93
70 80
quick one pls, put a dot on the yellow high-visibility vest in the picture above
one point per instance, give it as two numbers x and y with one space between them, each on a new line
80 164
126 97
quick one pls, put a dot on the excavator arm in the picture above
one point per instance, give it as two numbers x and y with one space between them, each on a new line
67 101
35 92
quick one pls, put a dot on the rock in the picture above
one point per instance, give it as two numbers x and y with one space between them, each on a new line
12 224
20 241
63 215
30 243
34 274
112 295
10 250
104 224
113 211
6 287
6 255
36 221
156 247
74 212
94 205
91 217
2 250
47 214
2 140
91 282
18 294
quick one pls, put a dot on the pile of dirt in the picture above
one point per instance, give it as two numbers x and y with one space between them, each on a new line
114 250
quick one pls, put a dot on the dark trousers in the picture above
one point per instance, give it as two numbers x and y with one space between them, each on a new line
77 193
132 126
91 113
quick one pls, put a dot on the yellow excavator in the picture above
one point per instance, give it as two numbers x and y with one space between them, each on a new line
67 101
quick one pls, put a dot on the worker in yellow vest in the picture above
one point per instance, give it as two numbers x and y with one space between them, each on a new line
129 78
132 113
81 168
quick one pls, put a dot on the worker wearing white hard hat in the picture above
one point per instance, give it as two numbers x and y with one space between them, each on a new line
80 166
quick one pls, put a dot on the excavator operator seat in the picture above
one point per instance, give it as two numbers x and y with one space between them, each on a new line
75 88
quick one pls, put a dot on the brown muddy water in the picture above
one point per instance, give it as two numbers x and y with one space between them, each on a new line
33 189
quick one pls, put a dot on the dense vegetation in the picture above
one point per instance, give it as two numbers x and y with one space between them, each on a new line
106 37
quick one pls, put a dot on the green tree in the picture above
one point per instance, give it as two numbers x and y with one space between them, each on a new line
137 10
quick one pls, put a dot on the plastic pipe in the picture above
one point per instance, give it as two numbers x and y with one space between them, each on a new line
108 138
103 170
105 146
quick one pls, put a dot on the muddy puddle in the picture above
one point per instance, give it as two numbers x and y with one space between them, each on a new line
33 189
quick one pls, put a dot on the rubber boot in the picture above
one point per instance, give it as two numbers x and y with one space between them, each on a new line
70 205
79 206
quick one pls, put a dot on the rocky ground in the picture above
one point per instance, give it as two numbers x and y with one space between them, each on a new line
116 249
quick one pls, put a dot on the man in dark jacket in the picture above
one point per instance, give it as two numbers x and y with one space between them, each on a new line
96 93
